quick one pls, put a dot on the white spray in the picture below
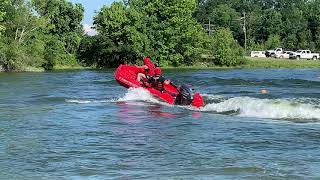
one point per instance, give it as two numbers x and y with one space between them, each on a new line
266 108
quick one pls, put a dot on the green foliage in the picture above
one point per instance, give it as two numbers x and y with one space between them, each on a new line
119 39
54 52
46 39
226 50
273 41
11 57
21 46
224 16
270 25
99 51
15 57
255 46
2 14
161 29
290 41
62 16
48 33
295 22
88 49
63 28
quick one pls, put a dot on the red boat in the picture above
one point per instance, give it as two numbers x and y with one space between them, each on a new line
127 76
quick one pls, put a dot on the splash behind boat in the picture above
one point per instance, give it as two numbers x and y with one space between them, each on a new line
127 76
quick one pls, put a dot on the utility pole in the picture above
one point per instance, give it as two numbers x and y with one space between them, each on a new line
244 31
209 27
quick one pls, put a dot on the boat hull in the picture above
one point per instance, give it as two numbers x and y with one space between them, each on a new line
127 76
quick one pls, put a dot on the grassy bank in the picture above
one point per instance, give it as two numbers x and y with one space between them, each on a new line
71 67
280 63
253 63
32 69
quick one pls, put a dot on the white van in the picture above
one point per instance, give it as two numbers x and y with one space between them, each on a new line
260 54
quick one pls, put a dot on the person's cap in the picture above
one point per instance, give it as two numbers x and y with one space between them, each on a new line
157 71
147 60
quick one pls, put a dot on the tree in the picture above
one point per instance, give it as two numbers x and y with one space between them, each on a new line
22 48
162 29
115 28
267 18
176 38
2 14
48 38
290 41
20 21
62 16
273 42
226 50
271 24
227 17
63 27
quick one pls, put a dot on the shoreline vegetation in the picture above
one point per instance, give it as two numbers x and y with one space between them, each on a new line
250 63
42 35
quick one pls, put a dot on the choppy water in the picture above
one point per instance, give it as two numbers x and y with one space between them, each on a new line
83 125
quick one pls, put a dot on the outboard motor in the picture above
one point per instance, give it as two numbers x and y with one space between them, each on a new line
185 96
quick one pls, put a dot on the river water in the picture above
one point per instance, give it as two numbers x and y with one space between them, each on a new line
83 125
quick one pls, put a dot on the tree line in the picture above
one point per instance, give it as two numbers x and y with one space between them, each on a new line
165 30
48 33
292 24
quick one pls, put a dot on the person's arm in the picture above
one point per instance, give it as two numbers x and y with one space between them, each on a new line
142 67
176 86
167 81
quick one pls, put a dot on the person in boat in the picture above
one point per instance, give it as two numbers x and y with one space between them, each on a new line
146 71
158 81
141 73
150 66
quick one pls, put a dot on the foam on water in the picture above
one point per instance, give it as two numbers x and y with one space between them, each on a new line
298 108
133 95
265 108
86 101
138 94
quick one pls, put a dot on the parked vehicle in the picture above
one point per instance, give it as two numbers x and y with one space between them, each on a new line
284 55
260 54
304 54
273 52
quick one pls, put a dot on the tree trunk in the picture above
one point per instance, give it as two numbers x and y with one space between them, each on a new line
17 30
21 35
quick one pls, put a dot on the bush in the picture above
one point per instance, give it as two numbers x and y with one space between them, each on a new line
11 57
55 54
226 51
273 41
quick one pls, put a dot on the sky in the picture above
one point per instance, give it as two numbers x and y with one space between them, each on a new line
90 6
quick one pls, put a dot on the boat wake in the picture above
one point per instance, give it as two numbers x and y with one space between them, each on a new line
138 94
299 109
86 101
296 109
133 95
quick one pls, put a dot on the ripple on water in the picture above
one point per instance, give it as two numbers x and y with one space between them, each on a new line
83 125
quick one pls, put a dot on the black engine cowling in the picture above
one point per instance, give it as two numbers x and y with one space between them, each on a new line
185 96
